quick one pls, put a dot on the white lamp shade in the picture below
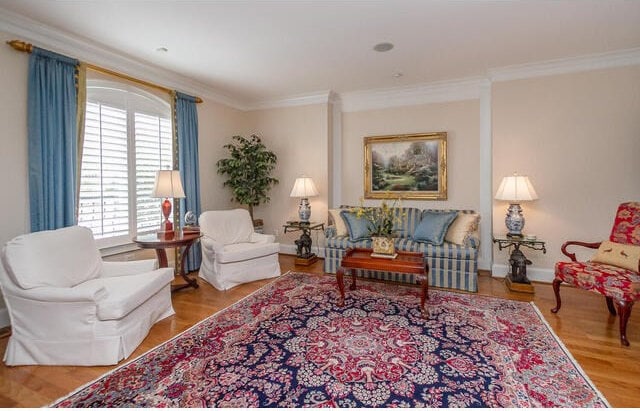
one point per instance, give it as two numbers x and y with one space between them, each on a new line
304 187
516 188
168 185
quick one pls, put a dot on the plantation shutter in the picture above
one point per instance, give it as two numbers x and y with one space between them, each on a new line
153 152
104 199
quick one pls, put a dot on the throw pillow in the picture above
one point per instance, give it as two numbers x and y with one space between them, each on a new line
433 226
620 255
338 221
462 228
358 228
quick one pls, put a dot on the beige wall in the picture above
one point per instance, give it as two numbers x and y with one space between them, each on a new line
299 137
14 218
577 136
459 119
217 123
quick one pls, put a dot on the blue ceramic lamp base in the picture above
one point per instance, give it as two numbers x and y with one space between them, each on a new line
514 221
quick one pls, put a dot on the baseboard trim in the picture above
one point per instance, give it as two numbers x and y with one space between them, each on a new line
543 275
5 321
292 250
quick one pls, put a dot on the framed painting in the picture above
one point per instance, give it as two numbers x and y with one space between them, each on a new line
407 166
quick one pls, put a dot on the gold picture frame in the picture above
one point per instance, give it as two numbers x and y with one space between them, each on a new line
407 166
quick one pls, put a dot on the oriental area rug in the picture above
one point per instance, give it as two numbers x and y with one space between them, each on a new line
289 345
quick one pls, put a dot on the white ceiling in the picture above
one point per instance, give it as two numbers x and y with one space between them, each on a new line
257 51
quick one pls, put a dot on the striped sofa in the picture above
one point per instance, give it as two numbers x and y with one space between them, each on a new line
450 265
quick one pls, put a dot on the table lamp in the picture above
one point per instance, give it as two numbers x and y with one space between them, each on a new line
167 185
304 188
515 189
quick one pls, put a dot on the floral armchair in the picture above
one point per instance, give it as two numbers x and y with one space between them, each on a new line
619 282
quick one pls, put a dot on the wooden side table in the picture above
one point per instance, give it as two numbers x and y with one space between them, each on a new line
304 254
406 262
160 243
517 279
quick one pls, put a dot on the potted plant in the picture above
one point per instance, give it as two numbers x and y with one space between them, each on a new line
249 171
381 221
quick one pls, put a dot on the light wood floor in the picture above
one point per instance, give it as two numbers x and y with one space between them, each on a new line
583 325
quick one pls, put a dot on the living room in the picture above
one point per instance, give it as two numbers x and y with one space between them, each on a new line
562 108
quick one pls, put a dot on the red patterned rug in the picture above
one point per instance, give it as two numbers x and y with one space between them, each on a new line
289 345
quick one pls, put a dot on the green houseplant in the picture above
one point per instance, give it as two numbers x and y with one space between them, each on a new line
381 221
248 171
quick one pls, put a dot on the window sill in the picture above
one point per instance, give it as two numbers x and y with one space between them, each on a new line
118 249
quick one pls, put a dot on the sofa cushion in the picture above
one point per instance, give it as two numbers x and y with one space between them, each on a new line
232 253
444 250
227 226
56 258
407 221
338 222
433 226
462 228
128 292
605 279
357 227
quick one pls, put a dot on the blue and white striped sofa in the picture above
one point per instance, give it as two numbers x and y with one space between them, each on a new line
450 265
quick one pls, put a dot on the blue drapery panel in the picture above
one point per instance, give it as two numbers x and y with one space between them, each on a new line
52 140
187 128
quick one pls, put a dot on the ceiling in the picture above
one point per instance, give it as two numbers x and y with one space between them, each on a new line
257 51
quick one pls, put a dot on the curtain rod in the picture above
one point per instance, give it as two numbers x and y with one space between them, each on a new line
28 48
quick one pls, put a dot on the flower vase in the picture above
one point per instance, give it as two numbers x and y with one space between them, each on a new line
383 245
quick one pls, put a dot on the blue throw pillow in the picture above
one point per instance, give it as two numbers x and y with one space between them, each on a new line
358 228
433 226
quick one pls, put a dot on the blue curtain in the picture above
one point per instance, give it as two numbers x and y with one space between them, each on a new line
187 130
52 139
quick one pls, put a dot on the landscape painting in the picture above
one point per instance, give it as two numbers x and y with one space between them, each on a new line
408 166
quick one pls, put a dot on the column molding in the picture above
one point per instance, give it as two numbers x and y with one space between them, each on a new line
485 259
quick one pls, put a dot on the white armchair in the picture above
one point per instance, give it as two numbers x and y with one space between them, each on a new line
232 253
68 307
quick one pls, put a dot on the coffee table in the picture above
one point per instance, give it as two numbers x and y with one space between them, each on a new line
405 262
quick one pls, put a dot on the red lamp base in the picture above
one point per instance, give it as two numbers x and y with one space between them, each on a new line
167 226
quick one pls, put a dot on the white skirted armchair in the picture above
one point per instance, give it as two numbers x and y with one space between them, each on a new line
68 307
232 253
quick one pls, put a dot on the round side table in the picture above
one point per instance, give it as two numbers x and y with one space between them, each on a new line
160 243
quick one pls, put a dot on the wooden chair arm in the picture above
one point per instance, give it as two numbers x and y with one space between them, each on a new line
572 256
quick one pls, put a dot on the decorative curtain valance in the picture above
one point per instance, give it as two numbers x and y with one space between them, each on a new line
186 118
53 139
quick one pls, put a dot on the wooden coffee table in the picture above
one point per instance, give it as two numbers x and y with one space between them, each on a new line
405 262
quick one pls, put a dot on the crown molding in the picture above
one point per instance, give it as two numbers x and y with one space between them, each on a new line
320 97
452 90
620 58
438 92
86 50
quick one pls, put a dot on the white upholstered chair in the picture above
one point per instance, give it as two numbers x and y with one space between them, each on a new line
232 253
68 307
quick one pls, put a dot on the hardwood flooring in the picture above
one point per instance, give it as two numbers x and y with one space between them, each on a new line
583 324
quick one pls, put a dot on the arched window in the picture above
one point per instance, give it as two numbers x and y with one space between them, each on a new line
128 135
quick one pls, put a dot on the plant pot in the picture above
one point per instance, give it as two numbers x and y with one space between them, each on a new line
383 245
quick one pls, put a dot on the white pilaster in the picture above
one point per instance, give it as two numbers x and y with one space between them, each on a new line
485 259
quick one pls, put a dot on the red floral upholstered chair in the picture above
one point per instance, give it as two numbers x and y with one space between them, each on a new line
613 272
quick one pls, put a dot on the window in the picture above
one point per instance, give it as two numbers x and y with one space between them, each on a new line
127 139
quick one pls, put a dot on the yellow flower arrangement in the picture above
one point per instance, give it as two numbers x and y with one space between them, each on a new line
381 219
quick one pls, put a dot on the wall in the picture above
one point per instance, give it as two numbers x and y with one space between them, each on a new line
459 119
14 218
217 123
299 137
577 136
